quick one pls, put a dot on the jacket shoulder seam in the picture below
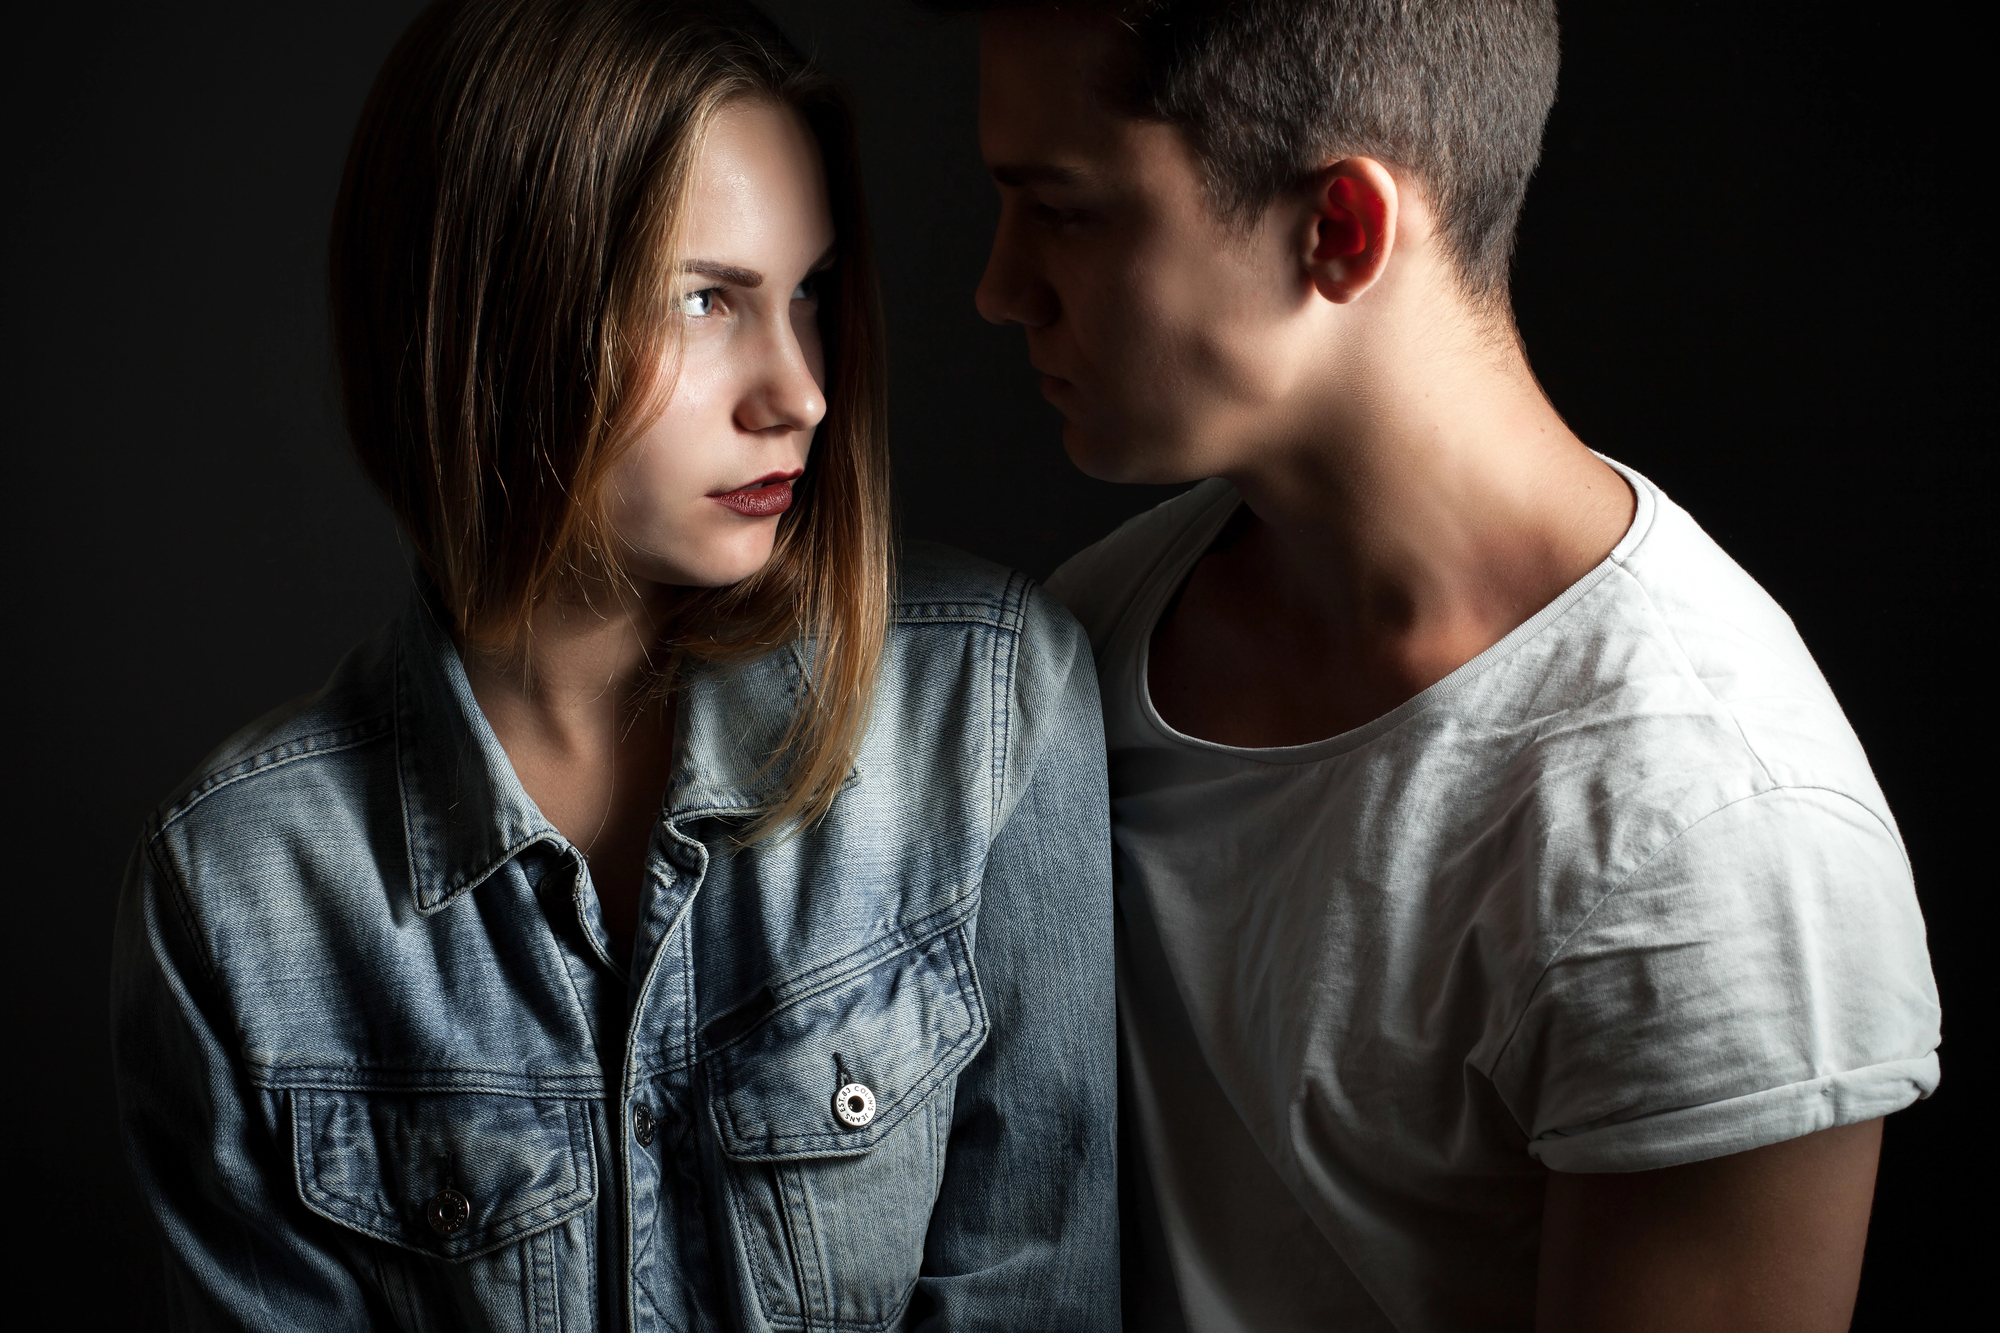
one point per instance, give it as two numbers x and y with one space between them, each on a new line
1003 612
291 751
183 907
1005 664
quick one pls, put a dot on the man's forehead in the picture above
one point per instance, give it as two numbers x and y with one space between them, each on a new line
1046 100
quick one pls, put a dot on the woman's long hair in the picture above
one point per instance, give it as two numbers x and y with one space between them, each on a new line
505 245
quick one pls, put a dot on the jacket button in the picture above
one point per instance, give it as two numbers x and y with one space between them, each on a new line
854 1104
642 1125
447 1211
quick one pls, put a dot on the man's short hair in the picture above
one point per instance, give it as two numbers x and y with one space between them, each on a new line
1452 92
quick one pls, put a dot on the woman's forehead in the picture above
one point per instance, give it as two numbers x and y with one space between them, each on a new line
759 189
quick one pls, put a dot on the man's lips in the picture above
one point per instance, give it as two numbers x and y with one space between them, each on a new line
766 497
1060 394
1052 381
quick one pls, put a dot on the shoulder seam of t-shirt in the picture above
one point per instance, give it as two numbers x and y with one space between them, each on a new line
1673 637
1556 954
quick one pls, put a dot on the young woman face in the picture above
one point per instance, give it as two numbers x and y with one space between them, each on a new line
695 501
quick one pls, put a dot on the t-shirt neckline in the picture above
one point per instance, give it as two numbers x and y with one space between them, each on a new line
1178 560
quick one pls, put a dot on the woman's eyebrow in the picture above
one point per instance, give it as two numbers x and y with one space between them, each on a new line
748 277
729 273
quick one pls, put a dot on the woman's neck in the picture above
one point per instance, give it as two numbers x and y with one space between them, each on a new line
589 733
582 669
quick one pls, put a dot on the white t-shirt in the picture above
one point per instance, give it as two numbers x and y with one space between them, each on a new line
1619 893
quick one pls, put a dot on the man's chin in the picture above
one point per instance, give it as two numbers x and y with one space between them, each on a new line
1120 458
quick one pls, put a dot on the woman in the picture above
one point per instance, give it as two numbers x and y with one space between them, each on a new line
661 925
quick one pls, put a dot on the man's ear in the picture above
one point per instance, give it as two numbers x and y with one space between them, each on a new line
1353 227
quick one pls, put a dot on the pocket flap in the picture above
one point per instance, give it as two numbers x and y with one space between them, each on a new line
449 1174
899 1029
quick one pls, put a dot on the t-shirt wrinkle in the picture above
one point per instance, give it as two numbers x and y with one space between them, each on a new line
1556 954
1673 636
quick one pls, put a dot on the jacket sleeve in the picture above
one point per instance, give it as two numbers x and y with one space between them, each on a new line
1025 1230
203 1144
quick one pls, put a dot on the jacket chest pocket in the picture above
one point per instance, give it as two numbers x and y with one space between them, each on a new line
832 1112
482 1199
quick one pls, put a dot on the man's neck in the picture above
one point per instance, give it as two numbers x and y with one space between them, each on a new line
1405 526
1444 490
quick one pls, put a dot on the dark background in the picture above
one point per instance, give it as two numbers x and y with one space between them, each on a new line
1748 266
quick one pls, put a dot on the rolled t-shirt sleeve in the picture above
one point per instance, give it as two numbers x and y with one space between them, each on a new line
1762 977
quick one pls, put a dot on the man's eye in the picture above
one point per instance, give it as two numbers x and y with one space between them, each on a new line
699 305
1057 217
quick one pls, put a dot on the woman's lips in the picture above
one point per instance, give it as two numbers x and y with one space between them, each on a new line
766 497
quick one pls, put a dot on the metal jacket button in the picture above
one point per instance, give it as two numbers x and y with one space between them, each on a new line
854 1104
447 1211
642 1125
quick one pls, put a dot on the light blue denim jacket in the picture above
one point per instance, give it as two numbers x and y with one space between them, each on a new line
378 1068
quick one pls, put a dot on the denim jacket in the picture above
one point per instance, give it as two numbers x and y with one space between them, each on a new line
378 1067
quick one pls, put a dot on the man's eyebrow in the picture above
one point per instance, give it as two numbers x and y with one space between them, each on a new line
729 273
1034 173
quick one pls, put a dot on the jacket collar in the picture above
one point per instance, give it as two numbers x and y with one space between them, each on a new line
731 723
465 813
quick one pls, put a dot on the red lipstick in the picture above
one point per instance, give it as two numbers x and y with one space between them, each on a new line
766 497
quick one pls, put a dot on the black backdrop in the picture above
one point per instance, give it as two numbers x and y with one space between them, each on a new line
1748 267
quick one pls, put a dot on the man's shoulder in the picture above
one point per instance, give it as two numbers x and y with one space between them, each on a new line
1736 652
1098 583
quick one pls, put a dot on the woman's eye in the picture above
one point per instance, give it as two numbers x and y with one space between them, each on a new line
698 305
808 289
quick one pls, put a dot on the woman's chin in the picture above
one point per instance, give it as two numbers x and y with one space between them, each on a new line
717 566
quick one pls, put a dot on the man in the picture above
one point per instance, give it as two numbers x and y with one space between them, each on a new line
1512 932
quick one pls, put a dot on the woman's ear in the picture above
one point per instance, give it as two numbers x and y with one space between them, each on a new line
1353 227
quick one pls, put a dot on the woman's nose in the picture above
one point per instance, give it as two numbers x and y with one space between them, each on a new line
786 393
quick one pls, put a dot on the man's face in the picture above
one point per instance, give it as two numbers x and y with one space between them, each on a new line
1168 340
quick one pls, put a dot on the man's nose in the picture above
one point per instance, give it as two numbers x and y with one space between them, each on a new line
1012 290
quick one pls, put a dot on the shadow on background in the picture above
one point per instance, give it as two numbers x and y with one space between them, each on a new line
1747 268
